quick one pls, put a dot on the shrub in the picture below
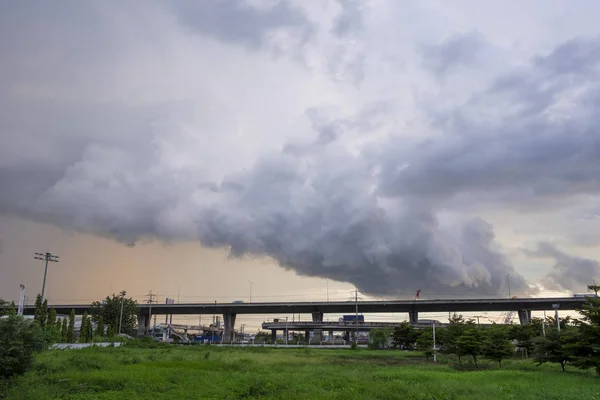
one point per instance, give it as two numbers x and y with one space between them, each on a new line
19 340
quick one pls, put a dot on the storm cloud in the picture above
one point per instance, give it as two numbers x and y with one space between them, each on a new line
571 272
340 158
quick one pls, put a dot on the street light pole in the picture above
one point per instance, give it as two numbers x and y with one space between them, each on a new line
508 282
251 283
47 257
544 324
123 293
434 349
286 331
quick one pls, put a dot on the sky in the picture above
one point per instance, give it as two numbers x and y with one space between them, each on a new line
306 146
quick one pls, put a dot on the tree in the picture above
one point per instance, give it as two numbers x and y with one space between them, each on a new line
469 344
425 343
536 326
404 336
262 337
37 312
100 327
52 330
564 322
3 307
58 329
111 331
497 345
19 340
378 338
64 331
553 348
110 311
524 335
83 329
90 330
585 346
71 328
44 313
594 288
51 321
450 333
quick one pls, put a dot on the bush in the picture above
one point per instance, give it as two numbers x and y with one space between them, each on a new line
19 340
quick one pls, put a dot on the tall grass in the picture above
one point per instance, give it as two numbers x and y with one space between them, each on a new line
204 372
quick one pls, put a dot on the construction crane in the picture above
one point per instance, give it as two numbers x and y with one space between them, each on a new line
508 317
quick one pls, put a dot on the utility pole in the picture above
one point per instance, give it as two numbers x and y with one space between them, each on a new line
508 282
434 349
251 283
544 324
286 331
150 301
327 284
47 257
356 298
123 293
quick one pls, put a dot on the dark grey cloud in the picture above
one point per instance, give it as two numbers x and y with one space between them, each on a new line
532 136
239 22
568 272
327 204
323 222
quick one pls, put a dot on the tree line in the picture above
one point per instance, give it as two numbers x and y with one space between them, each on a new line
21 338
566 342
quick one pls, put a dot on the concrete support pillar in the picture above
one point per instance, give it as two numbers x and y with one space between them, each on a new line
524 317
273 335
413 316
143 325
331 337
317 337
317 317
307 336
229 322
347 336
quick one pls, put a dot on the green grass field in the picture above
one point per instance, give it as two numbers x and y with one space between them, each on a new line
199 372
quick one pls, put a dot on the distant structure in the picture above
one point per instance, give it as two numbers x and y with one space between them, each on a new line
21 300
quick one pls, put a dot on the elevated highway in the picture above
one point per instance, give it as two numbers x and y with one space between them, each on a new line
523 306
337 326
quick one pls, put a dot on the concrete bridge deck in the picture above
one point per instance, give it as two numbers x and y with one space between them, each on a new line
346 307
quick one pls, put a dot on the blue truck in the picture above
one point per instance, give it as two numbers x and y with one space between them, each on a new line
353 318
207 339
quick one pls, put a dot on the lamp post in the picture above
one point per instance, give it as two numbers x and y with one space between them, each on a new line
286 331
47 257
123 293
434 349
